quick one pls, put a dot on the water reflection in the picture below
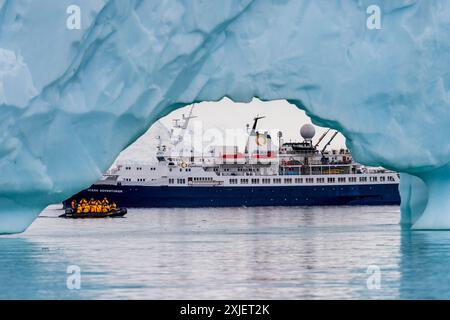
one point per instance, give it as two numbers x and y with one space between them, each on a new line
425 265
31 270
245 253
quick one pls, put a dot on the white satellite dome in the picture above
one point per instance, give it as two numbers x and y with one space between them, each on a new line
308 131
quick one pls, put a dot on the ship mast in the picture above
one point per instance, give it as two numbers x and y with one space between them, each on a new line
182 127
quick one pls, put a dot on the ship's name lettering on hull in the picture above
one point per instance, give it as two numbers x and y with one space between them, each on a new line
105 191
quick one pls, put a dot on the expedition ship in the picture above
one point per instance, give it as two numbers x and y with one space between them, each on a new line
293 174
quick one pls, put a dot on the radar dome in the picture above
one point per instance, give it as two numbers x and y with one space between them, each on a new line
308 131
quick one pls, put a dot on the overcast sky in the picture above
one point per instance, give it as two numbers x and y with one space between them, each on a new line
225 115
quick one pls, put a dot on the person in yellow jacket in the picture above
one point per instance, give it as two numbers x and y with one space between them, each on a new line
86 208
99 207
113 206
92 205
106 208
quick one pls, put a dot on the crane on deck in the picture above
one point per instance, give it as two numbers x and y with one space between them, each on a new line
321 138
329 142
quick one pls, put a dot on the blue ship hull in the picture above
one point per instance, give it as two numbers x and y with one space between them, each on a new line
191 197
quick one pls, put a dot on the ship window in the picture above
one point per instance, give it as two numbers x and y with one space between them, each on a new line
255 181
320 180
309 180
244 181
277 181
233 181
391 179
362 179
288 180
341 179
382 179
266 181
373 179
171 181
352 179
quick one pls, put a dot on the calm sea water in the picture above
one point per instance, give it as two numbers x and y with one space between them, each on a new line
246 253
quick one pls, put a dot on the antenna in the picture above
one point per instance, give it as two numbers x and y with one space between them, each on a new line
159 142
280 136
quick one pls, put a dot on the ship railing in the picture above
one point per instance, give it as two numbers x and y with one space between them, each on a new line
205 183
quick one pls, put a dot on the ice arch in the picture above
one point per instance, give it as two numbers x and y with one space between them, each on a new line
71 100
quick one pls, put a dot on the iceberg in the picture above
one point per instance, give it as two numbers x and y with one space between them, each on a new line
72 99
